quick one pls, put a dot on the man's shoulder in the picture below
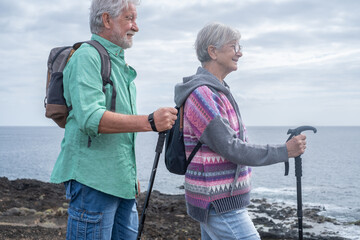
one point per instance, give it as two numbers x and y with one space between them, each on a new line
85 55
86 50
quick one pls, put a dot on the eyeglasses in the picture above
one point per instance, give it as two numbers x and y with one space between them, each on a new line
237 48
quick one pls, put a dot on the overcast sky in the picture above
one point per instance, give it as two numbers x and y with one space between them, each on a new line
300 64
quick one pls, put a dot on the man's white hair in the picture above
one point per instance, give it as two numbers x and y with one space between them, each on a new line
112 7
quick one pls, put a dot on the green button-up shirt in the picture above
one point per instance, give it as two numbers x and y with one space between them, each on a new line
108 165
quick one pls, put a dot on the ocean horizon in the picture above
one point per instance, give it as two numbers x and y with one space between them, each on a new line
330 165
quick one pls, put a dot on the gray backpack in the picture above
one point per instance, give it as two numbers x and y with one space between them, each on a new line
54 102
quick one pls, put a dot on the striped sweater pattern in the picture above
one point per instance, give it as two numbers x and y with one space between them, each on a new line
210 178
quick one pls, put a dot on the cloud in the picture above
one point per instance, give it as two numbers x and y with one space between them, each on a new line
299 56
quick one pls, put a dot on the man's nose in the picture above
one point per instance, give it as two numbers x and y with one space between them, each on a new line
135 27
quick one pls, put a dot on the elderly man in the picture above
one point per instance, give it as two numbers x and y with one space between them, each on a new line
97 158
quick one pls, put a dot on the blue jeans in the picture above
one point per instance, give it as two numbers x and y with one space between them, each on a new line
94 215
234 225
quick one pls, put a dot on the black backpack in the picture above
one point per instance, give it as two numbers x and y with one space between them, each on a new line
175 156
54 102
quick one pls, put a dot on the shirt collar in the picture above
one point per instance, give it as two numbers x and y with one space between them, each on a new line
110 47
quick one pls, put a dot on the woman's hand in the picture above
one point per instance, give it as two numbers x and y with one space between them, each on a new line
296 146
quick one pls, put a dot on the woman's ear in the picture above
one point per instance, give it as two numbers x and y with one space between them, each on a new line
212 52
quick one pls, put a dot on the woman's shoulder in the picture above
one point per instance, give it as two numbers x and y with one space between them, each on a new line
209 92
205 98
203 90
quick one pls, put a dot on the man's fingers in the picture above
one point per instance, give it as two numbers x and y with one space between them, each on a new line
165 118
173 110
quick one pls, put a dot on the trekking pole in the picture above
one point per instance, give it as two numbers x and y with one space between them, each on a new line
298 174
158 150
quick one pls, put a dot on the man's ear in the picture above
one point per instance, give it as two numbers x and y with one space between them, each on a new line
106 20
212 52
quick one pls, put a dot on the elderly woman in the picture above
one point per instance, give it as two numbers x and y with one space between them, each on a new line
217 181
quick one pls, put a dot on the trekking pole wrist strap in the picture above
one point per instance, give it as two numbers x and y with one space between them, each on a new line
152 122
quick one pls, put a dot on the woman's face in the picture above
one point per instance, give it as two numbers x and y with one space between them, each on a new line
227 57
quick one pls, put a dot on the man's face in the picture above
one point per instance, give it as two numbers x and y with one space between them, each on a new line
124 27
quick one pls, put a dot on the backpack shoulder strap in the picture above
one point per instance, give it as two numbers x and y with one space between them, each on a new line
104 56
105 67
194 151
181 116
105 60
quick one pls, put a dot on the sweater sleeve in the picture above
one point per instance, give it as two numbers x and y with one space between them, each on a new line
206 113
223 140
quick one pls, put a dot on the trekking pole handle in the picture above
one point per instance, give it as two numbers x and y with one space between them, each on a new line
299 130
295 132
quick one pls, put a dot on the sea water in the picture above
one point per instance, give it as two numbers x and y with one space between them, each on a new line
331 165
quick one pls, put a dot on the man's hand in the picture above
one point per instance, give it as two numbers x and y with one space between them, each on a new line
164 118
296 146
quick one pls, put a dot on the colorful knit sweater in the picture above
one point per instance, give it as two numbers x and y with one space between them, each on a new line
218 175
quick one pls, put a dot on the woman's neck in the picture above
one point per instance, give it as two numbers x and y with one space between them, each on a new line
215 70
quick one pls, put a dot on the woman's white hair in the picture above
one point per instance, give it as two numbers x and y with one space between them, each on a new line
216 34
112 7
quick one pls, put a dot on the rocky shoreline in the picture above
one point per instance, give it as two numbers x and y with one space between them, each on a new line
30 209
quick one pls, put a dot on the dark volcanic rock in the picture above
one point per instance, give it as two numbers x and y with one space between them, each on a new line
31 209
